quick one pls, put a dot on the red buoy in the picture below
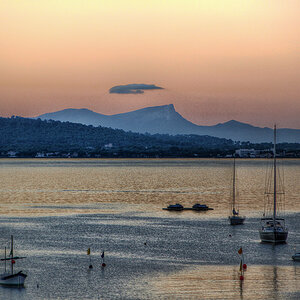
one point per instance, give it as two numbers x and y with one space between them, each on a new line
104 265
241 277
13 261
244 266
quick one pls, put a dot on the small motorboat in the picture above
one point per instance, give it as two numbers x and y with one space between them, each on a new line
11 278
296 256
175 207
199 207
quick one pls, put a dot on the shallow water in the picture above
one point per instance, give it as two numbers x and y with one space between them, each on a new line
56 209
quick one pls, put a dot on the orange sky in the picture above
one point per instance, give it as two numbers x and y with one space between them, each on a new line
217 59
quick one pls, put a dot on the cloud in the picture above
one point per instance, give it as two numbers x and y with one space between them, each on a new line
133 88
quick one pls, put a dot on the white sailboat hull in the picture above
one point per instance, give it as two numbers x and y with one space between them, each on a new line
17 279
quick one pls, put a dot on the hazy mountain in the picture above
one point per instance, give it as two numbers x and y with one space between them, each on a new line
165 119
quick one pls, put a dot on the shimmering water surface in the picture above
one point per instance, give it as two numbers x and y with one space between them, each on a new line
56 209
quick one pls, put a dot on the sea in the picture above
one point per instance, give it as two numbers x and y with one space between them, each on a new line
56 209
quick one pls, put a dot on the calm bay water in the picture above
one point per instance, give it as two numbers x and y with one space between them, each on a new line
56 209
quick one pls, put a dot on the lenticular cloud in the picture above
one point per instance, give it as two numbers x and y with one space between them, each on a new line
133 88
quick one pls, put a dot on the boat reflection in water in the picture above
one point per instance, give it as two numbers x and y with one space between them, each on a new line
222 282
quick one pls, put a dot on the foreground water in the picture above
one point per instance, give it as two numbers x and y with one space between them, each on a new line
56 209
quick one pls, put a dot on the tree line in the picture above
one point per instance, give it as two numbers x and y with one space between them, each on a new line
28 137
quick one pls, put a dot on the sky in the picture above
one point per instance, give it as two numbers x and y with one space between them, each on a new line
216 60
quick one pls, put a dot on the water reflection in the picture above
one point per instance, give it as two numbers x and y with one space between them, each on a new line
28 184
241 289
12 293
118 207
215 282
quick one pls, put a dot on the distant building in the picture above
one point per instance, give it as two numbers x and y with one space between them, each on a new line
40 154
252 153
108 145
74 154
244 153
12 154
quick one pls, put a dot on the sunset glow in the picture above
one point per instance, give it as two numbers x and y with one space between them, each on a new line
216 60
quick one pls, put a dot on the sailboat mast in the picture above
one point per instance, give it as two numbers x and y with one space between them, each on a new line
275 189
12 255
233 186
5 260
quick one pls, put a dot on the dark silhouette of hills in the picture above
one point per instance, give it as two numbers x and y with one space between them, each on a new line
166 120
29 137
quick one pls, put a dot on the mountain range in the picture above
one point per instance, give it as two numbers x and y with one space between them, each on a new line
166 120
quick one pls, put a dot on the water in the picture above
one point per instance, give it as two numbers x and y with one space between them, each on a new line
56 209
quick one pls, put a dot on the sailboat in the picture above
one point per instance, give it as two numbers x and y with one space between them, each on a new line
234 218
11 278
273 229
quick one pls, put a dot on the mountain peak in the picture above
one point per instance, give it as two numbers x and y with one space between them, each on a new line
163 111
166 120
167 107
234 123
171 106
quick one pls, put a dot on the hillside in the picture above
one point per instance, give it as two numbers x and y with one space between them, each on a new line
166 120
29 137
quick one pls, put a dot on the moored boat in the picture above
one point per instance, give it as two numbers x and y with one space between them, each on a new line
273 229
11 278
16 279
175 207
201 207
234 218
296 256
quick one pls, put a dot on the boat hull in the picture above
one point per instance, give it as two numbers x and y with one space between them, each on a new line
188 208
234 220
174 207
17 279
274 237
202 208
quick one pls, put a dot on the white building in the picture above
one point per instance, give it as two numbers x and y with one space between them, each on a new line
12 154
247 152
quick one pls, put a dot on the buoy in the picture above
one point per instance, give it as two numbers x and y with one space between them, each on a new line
145 243
229 235
13 261
90 267
241 277
103 265
244 266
